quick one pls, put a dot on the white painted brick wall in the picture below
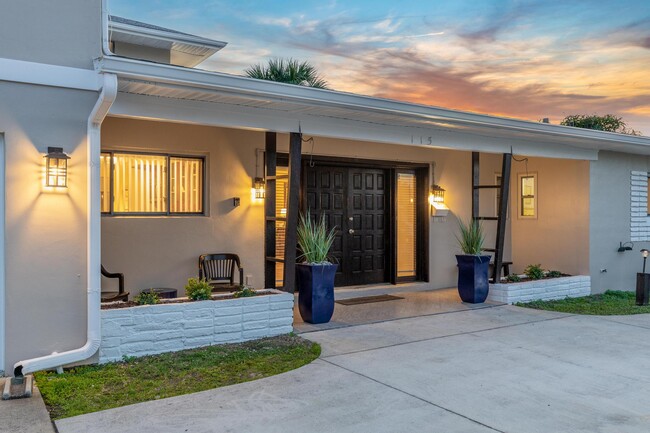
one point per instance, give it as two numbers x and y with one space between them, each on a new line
152 329
553 288
639 220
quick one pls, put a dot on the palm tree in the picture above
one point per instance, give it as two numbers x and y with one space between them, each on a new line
289 71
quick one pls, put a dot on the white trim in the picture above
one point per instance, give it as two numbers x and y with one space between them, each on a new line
19 71
2 256
270 91
166 36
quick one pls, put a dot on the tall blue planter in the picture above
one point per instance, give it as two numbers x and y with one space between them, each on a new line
316 292
473 283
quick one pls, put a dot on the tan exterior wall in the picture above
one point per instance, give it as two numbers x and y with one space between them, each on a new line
559 237
163 251
45 230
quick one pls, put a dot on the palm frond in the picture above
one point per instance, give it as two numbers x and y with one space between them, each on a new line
290 71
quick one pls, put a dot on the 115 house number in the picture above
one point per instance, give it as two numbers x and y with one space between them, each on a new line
422 140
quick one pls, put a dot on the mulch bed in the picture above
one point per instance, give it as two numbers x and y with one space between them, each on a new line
129 304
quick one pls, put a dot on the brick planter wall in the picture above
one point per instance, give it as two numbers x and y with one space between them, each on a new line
554 288
151 329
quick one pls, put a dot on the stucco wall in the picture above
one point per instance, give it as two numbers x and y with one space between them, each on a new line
559 237
66 33
610 221
45 230
163 251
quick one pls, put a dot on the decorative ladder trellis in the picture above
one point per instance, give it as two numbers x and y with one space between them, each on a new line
502 211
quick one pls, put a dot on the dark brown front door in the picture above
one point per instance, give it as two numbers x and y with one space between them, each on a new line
353 200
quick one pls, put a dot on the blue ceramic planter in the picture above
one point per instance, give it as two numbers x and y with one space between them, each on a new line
316 292
473 278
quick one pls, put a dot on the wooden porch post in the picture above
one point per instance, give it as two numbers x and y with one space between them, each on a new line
269 209
295 145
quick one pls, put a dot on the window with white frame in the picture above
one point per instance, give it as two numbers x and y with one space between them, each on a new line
151 184
527 203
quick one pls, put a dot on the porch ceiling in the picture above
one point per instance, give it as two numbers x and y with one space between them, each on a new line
163 92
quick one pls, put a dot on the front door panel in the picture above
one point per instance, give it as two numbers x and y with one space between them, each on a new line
354 201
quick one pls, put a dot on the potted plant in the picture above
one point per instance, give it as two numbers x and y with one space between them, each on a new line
315 275
472 265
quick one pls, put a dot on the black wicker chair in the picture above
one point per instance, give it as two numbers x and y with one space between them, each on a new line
120 295
219 270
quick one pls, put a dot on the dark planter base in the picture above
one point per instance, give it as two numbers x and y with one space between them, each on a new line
642 288
473 283
316 292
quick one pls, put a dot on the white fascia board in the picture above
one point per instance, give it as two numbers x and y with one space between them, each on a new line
19 71
162 35
269 90
261 119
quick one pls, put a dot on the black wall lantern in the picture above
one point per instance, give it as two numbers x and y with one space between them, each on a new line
56 167
258 186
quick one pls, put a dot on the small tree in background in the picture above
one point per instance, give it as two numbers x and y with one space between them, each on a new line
608 122
289 71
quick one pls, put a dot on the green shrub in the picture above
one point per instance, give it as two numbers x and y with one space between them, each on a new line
198 290
471 237
554 274
147 297
534 272
314 239
244 292
513 278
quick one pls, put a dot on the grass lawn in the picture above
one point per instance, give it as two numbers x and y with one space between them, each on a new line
92 388
612 302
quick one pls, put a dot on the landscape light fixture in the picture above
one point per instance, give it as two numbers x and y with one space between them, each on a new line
56 167
645 253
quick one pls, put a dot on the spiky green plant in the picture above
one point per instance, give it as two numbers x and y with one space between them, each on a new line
470 237
314 239
290 71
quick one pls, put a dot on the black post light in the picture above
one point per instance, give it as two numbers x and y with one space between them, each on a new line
643 282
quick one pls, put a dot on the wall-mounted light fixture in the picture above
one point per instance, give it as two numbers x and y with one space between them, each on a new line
437 201
56 167
258 187
258 191
627 246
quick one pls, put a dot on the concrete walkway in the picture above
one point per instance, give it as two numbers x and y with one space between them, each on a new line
504 369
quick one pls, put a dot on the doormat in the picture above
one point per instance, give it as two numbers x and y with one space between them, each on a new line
368 299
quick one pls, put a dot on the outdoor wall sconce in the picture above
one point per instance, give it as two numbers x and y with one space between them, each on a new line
437 201
258 188
56 167
236 201
627 246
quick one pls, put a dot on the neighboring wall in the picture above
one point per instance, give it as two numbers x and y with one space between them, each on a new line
610 208
163 251
66 33
559 237
45 230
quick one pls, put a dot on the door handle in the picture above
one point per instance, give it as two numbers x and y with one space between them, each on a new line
351 231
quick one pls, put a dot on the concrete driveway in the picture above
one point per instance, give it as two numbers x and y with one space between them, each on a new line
503 368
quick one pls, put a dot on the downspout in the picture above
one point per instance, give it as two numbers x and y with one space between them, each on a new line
93 253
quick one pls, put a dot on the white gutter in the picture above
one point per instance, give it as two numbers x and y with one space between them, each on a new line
93 253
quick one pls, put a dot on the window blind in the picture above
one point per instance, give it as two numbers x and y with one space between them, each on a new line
406 224
186 185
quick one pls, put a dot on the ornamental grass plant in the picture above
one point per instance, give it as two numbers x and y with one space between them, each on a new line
470 237
314 239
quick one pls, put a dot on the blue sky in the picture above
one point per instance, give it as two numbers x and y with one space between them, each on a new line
524 59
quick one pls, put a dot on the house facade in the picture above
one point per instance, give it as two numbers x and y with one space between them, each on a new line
164 159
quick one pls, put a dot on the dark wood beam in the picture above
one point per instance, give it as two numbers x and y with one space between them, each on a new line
475 182
503 213
269 208
295 150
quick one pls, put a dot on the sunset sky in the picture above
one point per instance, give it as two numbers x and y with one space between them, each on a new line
524 59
